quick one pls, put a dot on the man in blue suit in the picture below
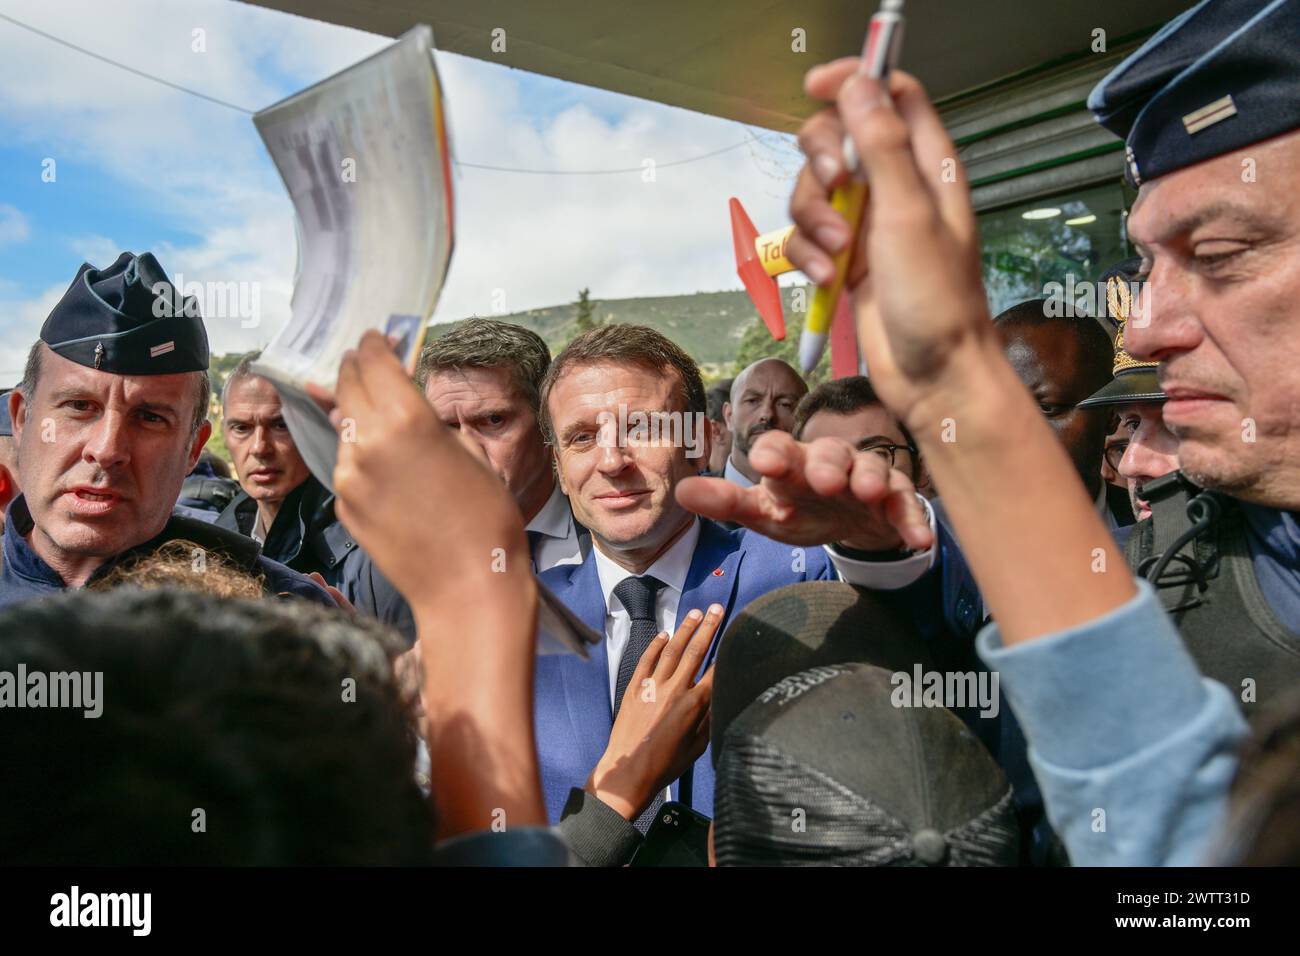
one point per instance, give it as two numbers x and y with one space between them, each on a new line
624 409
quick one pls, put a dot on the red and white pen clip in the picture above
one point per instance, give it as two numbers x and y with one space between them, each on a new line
879 56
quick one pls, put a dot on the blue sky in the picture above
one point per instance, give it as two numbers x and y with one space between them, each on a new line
143 167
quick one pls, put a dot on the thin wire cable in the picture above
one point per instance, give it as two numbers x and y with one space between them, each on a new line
484 166
123 66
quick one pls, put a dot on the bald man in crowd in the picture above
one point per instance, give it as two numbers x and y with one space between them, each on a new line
763 399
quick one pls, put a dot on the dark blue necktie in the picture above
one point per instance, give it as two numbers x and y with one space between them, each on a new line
638 597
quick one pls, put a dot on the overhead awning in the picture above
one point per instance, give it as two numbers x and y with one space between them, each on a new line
745 60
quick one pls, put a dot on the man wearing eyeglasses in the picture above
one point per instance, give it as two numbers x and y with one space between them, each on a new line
1146 450
849 408
1142 450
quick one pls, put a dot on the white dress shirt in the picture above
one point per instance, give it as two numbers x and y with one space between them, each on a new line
559 541
258 533
675 563
891 575
887 575
732 473
671 568
866 574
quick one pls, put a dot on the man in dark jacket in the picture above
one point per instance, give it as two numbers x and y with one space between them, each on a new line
281 505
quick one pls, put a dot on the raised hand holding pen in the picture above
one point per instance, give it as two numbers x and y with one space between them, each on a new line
923 325
879 56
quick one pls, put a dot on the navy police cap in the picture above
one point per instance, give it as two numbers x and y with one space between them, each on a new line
128 319
1220 76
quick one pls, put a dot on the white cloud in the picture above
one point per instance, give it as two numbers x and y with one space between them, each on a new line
97 250
538 238
195 165
541 238
13 225
20 324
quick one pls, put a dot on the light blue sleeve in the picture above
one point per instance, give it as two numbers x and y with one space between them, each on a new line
1134 750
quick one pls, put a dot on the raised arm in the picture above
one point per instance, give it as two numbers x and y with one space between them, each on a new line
1134 768
465 571
924 326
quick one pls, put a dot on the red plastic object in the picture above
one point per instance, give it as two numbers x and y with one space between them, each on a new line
762 288
844 340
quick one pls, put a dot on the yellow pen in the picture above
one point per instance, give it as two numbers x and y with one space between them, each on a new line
879 55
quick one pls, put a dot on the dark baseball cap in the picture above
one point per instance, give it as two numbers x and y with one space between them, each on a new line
824 769
810 624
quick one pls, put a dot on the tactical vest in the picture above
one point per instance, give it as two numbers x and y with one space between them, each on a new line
1208 586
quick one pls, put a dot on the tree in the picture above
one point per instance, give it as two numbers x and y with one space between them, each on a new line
586 317
757 343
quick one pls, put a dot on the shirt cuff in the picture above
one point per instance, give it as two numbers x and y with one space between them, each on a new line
887 575
596 832
1095 694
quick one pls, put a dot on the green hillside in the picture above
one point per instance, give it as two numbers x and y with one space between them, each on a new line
708 325
718 329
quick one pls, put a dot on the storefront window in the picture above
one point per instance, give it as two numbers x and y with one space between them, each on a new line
1070 238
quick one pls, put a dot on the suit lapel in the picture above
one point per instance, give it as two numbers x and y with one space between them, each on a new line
713 577
586 683
584 536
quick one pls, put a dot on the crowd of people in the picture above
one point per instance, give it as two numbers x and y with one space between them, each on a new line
1027 594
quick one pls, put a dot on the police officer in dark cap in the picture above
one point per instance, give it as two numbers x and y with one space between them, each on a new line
109 418
1208 111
